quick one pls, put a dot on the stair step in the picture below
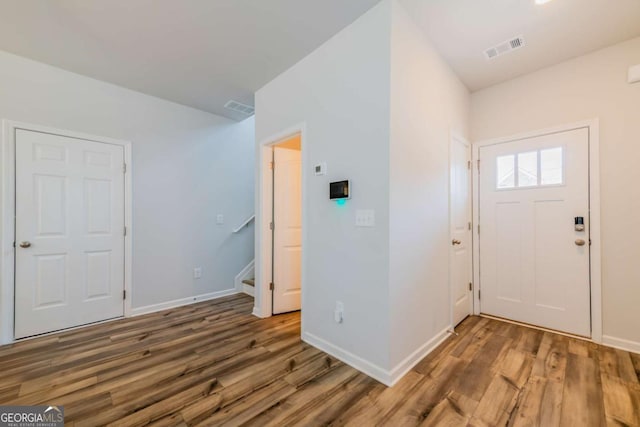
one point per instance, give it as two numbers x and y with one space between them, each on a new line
250 282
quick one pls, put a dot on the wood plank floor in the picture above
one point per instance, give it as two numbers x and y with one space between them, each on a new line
213 363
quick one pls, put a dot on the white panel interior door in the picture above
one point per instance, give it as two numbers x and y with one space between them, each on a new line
69 232
460 222
533 267
287 233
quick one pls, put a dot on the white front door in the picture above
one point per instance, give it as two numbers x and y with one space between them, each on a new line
534 264
287 233
69 232
460 223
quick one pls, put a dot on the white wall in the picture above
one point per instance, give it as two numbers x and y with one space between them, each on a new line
188 166
428 101
586 87
341 92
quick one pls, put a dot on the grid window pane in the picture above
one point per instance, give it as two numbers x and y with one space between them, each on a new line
506 177
551 166
528 169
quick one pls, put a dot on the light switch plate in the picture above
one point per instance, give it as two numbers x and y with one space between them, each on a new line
197 272
365 218
219 219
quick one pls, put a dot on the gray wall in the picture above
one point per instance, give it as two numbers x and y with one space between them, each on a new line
188 166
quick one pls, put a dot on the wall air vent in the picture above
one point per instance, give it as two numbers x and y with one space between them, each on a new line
504 47
239 107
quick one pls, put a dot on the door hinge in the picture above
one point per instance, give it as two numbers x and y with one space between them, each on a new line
468 164
470 286
272 165
124 294
125 231
14 244
271 226
478 165
478 293
271 286
124 168
469 226
478 228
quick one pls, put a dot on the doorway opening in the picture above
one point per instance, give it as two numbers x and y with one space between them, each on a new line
281 227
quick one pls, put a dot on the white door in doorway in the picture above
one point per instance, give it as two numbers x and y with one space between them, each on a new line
534 264
69 232
460 223
287 233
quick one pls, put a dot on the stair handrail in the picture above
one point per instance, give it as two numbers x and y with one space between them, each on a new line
245 224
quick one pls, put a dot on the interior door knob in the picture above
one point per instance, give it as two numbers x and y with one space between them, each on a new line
455 242
25 244
580 242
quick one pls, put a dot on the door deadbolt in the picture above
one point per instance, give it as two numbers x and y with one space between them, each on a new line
25 244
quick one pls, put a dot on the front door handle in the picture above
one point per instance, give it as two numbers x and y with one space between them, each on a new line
580 242
25 244
455 242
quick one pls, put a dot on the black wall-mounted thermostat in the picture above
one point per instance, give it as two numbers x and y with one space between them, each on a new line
339 190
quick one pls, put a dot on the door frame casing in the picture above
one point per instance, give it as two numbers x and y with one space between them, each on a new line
453 138
593 127
8 209
263 237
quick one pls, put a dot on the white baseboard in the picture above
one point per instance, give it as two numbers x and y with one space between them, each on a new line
386 377
412 360
247 271
362 365
256 312
180 302
622 344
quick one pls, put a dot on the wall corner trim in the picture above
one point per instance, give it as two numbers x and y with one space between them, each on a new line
257 312
420 353
356 362
138 311
386 377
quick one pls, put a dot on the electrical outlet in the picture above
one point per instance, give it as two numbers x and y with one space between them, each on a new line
338 313
197 272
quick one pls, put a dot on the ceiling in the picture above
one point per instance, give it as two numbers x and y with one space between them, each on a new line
462 30
202 53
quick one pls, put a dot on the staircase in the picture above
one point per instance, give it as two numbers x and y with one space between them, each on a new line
245 280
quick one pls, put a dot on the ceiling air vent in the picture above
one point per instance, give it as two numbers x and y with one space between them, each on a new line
239 107
504 47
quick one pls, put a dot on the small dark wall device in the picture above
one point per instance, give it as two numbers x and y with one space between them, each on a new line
579 223
339 190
